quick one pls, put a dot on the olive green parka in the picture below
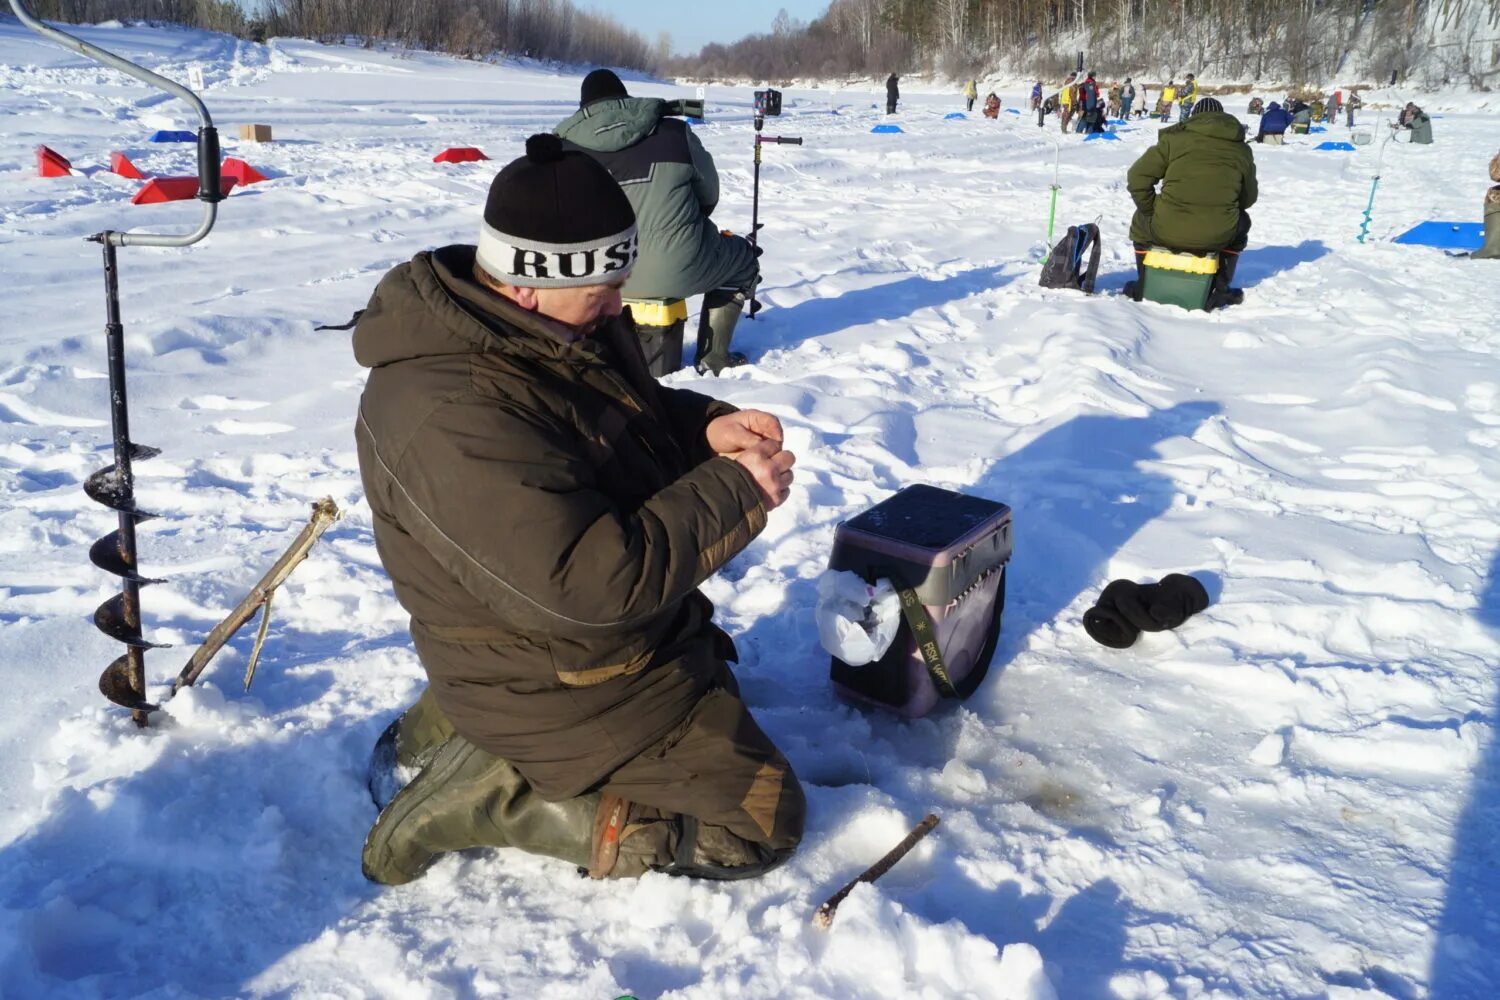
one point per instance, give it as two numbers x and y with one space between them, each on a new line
546 512
1207 176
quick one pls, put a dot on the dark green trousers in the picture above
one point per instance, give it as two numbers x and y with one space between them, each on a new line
721 771
714 797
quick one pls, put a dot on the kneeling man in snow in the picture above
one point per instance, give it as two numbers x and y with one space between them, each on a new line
546 512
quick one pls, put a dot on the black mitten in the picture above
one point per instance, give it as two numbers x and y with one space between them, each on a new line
1107 621
1175 599
1126 609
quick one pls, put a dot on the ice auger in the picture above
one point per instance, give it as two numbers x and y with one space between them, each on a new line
767 102
124 680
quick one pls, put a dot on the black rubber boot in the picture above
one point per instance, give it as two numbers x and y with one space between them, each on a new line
1224 293
1133 289
716 323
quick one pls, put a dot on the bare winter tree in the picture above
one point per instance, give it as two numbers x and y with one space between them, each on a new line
1300 42
542 29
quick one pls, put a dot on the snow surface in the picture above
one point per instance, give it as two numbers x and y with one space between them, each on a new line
1294 795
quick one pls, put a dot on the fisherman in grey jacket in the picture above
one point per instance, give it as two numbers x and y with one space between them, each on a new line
672 185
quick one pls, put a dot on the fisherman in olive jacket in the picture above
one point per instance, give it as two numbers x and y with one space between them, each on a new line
673 186
1192 190
546 512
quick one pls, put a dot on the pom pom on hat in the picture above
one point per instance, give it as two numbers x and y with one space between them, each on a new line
544 147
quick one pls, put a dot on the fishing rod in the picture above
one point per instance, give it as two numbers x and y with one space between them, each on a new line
124 680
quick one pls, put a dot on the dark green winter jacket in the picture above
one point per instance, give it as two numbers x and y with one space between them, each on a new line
1207 178
672 185
546 512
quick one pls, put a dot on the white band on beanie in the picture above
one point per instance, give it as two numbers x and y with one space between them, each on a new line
531 264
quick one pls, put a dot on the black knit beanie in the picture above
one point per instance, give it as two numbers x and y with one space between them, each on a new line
1207 104
555 218
598 85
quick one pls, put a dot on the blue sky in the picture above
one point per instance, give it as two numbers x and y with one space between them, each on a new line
694 23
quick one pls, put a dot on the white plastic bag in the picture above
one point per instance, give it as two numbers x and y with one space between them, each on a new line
857 621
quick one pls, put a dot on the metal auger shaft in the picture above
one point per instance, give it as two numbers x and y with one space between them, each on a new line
124 680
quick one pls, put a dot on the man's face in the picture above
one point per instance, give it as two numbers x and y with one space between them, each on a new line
585 309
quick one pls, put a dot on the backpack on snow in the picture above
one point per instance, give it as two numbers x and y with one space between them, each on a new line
1064 267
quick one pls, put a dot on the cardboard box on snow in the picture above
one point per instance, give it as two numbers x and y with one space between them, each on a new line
256 133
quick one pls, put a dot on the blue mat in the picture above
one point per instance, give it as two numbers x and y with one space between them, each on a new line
952 115
1447 235
1118 121
1341 147
887 129
170 136
1101 135
1012 111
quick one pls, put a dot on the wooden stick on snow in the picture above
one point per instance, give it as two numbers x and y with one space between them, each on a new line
325 512
823 918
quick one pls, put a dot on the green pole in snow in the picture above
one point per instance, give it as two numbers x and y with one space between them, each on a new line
1364 226
1052 211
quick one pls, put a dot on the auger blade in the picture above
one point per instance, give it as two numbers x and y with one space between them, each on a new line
114 684
104 487
105 553
110 619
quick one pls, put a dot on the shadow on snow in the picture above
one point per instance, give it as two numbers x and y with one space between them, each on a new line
1465 960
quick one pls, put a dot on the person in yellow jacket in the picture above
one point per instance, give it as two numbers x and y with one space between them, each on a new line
1187 96
1168 95
971 93
1066 97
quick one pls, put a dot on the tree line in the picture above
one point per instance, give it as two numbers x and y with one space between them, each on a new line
1293 41
474 29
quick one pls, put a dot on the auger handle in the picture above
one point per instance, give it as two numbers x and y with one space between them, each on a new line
208 138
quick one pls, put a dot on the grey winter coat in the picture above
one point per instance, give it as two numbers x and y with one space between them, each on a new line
673 187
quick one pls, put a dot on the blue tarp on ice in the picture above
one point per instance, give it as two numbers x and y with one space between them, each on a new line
1012 111
952 115
1342 147
886 129
1447 235
167 135
1101 135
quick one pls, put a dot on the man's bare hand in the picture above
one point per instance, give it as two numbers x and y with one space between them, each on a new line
771 465
734 432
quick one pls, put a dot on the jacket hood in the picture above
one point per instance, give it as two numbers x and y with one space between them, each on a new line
431 305
613 124
1214 124
1275 106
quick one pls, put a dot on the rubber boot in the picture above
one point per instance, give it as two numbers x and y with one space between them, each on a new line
406 746
1224 293
466 798
716 323
1491 248
1133 289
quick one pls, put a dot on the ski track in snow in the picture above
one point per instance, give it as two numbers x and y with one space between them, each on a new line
1293 795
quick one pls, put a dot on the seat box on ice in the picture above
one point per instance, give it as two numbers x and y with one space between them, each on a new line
951 550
